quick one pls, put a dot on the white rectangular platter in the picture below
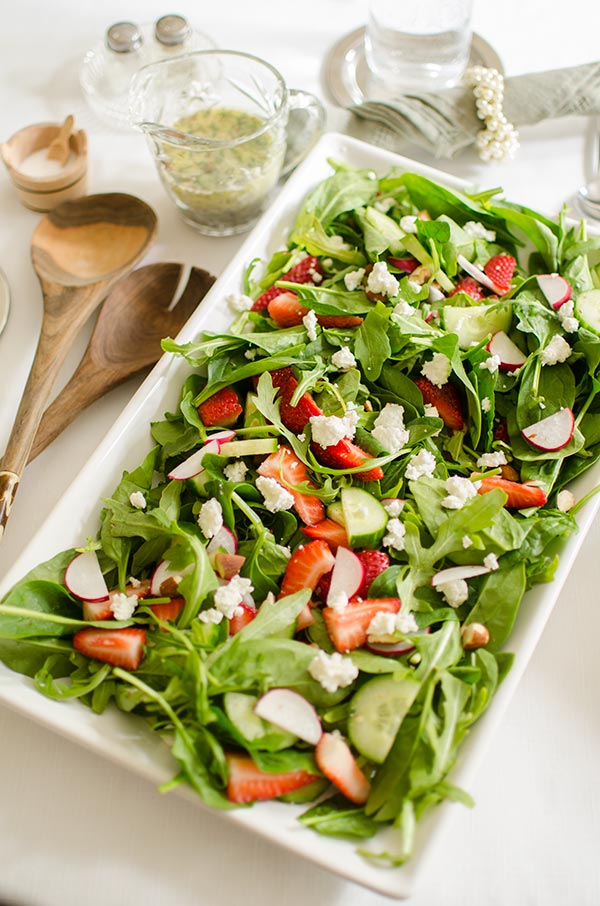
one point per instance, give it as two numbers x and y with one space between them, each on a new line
127 740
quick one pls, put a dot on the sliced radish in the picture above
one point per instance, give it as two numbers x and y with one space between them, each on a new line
435 294
221 437
347 577
224 540
291 712
510 355
477 274
553 432
163 573
468 571
394 649
336 761
84 579
193 464
228 565
555 288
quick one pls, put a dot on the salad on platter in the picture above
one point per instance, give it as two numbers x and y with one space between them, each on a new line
308 586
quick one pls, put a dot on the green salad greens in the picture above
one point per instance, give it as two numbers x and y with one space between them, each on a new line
308 585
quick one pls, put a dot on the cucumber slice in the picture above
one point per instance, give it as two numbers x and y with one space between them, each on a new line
252 417
474 323
239 707
335 511
364 517
251 446
376 713
587 309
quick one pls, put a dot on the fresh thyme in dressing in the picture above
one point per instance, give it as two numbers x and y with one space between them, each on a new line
229 178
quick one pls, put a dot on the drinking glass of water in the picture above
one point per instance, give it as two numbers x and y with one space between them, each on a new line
416 45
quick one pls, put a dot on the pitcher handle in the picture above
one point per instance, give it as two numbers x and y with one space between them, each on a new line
306 120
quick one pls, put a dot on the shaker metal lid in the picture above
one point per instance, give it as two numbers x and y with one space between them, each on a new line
124 37
171 30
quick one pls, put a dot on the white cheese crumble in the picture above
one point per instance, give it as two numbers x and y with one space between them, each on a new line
137 500
486 404
414 286
430 411
353 279
343 359
275 496
459 491
385 626
328 430
438 369
566 316
565 499
135 583
455 592
229 597
395 532
467 541
492 460
122 606
475 230
393 506
408 223
338 601
337 242
421 464
235 471
384 204
381 281
332 671
388 428
310 322
251 354
491 561
491 364
210 517
557 350
212 615
403 308
239 302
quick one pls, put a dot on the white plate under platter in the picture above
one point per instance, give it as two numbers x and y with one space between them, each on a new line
127 740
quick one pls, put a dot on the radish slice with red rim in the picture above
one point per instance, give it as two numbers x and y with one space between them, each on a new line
452 573
163 573
347 577
553 432
192 466
555 289
290 711
84 579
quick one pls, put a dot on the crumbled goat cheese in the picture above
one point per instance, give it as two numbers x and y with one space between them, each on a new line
395 532
327 262
250 354
486 404
403 308
343 359
476 230
235 471
381 281
393 506
210 517
328 430
566 316
122 606
384 204
491 364
310 322
354 279
302 437
455 592
275 496
438 369
315 276
414 286
135 583
385 626
491 561
229 597
565 499
388 428
422 463
332 671
337 242
430 411
459 491
212 615
338 601
467 541
492 460
137 500
408 223
557 350
239 302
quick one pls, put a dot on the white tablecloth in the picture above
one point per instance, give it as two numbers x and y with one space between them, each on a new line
75 829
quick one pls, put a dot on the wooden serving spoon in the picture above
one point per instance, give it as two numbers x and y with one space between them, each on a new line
141 310
79 251
59 149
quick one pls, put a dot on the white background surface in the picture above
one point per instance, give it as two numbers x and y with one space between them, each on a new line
73 828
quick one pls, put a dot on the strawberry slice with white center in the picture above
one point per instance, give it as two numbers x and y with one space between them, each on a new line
520 496
118 647
284 467
247 783
348 628
306 566
335 759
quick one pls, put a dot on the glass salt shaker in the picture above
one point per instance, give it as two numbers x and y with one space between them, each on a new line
107 70
173 35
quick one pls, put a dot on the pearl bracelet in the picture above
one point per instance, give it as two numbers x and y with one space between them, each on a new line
499 140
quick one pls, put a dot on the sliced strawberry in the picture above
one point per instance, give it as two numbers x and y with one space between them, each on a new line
374 563
247 783
303 272
520 496
97 610
408 265
500 270
347 628
342 322
168 610
287 310
295 418
306 566
222 409
119 647
446 400
240 619
285 467
228 565
331 532
337 762
501 431
469 286
346 455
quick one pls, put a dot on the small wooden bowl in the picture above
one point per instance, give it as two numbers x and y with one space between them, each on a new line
42 193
